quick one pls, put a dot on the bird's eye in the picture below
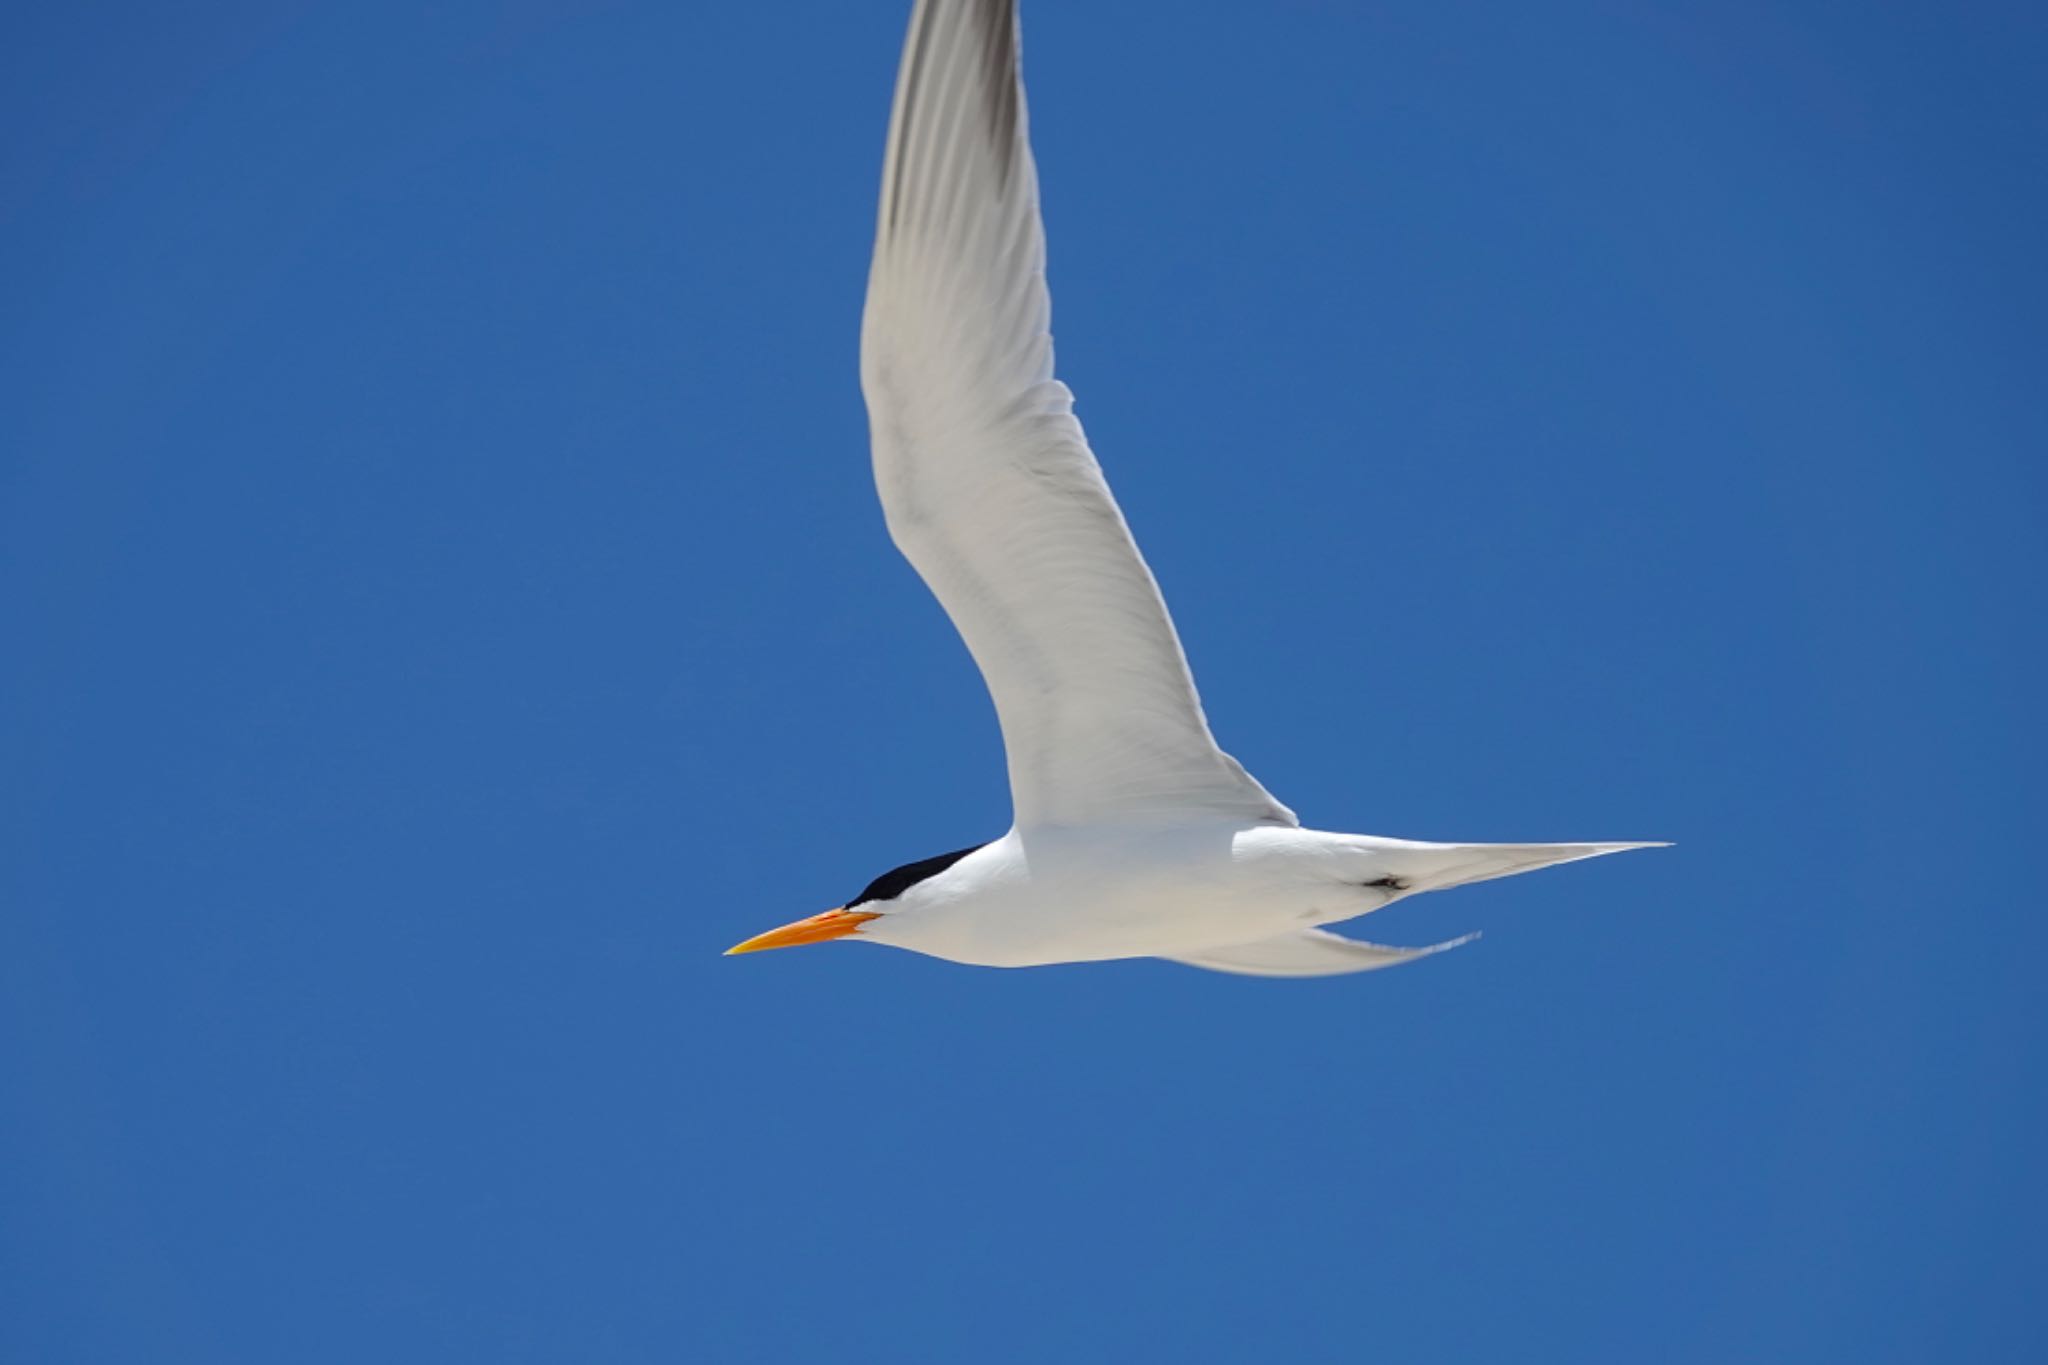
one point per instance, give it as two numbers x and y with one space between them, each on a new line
1390 884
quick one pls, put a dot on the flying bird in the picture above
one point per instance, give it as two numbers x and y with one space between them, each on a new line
1134 834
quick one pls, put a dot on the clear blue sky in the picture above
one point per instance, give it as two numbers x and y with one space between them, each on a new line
445 605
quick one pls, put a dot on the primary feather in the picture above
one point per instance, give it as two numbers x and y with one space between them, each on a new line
988 484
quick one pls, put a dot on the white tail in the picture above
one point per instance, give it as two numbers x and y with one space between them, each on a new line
1432 867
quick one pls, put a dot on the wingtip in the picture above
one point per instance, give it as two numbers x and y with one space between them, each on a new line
1449 943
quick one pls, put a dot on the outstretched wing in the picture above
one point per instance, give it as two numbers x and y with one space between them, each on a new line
1311 952
989 486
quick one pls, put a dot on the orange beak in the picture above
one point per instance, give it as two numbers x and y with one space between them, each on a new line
817 929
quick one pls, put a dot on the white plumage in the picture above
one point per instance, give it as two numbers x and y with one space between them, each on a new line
1134 835
988 483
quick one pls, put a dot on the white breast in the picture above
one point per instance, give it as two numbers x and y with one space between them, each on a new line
1076 895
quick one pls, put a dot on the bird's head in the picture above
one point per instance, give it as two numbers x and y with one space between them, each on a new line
880 897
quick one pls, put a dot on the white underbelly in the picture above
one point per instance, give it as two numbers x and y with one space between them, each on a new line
1081 898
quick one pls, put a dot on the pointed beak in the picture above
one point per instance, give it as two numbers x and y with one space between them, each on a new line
817 929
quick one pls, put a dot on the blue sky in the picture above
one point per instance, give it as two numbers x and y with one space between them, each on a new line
447 605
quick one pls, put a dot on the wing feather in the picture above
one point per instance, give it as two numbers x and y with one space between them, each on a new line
988 485
1310 952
